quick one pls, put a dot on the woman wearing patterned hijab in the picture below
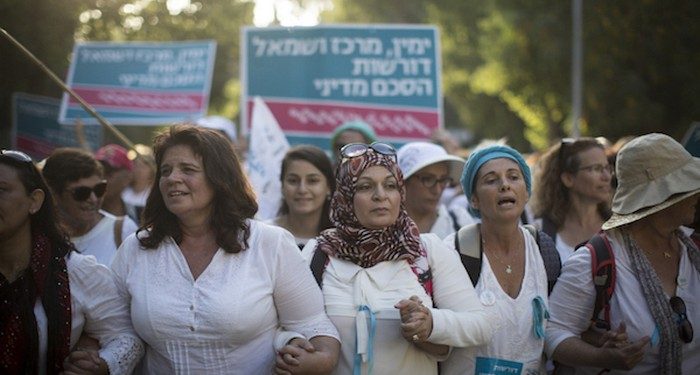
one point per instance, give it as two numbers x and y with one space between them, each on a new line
398 298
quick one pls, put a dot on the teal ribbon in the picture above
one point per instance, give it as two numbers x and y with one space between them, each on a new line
539 314
357 367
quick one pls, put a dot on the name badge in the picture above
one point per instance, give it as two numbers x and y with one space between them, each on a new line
496 366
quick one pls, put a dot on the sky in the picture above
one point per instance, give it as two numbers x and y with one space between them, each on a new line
288 12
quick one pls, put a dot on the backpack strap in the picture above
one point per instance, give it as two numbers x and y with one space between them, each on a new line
468 244
455 224
318 265
549 254
549 227
603 272
118 225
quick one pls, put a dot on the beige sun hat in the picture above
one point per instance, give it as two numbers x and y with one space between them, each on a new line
414 156
653 172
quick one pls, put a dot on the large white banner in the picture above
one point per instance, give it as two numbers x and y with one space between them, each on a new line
267 146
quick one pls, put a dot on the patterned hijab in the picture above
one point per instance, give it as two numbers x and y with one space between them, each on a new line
351 241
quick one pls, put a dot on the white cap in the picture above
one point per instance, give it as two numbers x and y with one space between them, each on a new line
219 123
415 156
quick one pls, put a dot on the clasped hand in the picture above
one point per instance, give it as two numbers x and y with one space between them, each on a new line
416 320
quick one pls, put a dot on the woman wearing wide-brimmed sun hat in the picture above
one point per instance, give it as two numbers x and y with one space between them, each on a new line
655 301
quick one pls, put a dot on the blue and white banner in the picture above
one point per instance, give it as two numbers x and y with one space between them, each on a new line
140 83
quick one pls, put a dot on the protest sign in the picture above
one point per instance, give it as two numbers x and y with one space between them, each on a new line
36 131
314 79
140 83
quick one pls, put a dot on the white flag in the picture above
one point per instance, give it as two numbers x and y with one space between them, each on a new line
267 146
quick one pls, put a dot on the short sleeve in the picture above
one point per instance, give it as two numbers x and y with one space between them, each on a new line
571 301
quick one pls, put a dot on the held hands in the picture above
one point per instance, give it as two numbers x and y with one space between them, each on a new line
301 357
416 320
83 362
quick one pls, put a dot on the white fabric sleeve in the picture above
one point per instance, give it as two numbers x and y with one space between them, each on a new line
298 299
459 320
283 337
571 302
107 317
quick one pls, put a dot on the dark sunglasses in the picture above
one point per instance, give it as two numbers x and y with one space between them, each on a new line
430 181
82 193
685 329
353 150
16 156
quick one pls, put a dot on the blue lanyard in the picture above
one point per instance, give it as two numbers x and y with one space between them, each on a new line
539 314
357 367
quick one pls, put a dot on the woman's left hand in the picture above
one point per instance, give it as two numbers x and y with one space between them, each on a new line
84 362
416 320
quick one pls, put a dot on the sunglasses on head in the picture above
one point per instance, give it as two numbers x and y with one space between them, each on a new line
353 150
16 156
685 329
82 193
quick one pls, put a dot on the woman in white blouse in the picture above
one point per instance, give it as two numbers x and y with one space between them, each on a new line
209 286
512 285
654 305
50 294
398 298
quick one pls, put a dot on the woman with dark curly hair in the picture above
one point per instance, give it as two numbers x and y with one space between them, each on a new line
209 286
572 192
49 293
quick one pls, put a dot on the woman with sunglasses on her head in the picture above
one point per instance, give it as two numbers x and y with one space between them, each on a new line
307 184
49 294
572 192
209 286
654 304
397 297
77 181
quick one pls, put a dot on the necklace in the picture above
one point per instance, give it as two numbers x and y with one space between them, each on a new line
509 269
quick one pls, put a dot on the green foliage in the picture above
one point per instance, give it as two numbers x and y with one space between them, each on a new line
507 64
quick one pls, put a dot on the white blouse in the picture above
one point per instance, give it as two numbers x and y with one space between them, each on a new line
459 320
572 301
99 311
514 344
225 321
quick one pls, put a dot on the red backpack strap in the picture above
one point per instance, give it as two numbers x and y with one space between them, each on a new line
603 272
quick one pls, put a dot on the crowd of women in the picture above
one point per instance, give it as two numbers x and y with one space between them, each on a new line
202 287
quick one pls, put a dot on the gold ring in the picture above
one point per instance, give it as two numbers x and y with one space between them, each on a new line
415 338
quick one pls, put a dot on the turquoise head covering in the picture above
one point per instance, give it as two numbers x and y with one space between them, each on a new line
359 126
479 158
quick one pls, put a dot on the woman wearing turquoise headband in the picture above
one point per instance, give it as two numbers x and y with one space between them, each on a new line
511 279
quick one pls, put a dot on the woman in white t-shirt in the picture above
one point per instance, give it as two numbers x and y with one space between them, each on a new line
395 295
512 286
209 286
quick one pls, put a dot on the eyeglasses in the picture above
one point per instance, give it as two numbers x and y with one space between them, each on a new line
82 193
685 329
16 156
599 168
430 180
564 143
353 150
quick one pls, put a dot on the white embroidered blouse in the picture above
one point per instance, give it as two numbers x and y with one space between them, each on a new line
225 321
